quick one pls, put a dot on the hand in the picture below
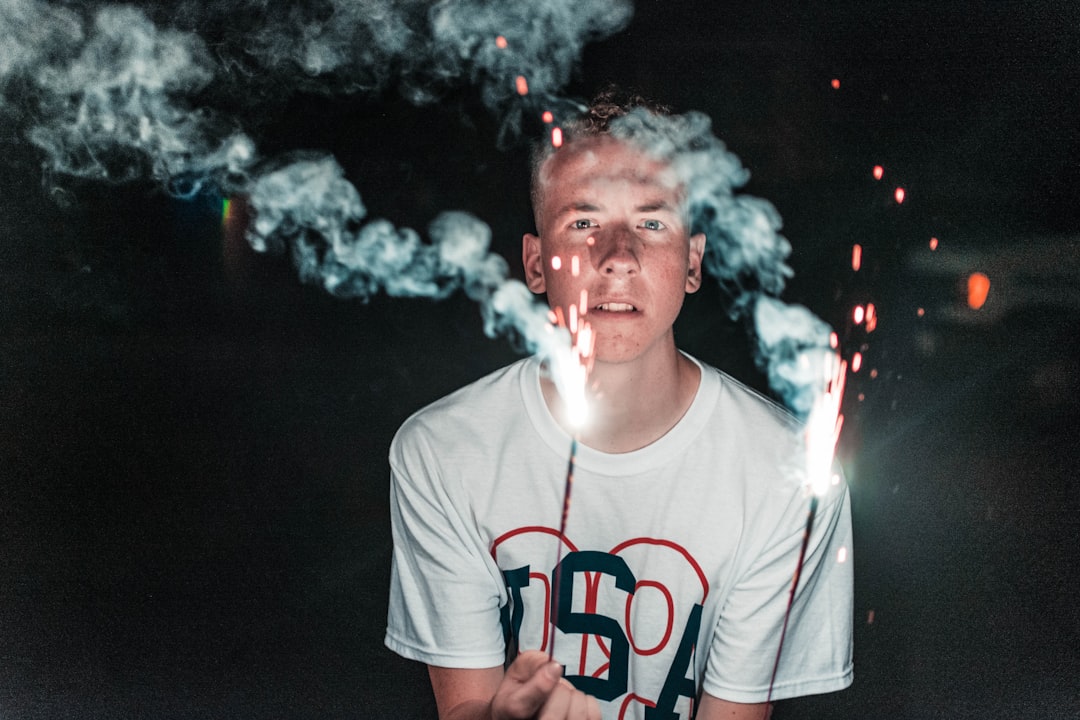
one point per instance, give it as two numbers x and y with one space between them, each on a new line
533 689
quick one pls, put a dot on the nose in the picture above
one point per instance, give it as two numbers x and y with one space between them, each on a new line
616 252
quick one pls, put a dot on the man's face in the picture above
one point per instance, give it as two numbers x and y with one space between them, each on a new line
618 211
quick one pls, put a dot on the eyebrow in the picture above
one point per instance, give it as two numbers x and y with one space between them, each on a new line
653 206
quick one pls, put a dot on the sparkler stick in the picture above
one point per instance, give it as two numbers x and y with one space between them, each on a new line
822 433
557 580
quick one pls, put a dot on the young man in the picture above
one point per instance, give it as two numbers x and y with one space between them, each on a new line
687 514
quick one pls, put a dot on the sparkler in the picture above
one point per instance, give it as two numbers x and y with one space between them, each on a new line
570 377
821 435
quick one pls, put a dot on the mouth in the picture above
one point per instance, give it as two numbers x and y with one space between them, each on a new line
615 307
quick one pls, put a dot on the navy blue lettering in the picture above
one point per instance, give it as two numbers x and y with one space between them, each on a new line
677 684
513 612
592 624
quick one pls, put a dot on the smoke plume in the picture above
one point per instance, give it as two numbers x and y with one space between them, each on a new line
744 251
112 93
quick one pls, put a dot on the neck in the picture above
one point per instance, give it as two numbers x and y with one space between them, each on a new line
632 404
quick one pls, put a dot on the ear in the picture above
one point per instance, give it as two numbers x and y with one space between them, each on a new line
693 272
533 260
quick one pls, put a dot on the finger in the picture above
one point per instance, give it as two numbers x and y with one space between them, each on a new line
529 696
559 704
592 710
526 664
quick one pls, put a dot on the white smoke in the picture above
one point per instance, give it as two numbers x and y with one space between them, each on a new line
744 251
108 94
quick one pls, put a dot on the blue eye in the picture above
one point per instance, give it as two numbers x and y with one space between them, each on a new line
653 225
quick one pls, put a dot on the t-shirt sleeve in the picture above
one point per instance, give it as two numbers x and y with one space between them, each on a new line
817 646
445 589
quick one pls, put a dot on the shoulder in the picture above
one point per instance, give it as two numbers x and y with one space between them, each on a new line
740 406
477 409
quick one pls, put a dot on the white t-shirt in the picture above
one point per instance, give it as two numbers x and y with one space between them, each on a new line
678 557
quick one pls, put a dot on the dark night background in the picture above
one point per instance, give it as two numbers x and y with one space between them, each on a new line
193 512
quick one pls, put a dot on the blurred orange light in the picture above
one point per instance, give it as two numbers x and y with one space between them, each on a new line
556 137
933 243
858 315
978 289
500 41
834 340
522 85
879 172
835 83
547 116
899 195
556 262
856 362
856 257
920 312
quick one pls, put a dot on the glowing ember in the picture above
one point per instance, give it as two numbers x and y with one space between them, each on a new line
522 85
835 83
920 312
575 266
590 241
824 424
547 116
500 42
933 243
978 288
556 137
834 340
856 257
556 262
899 195
859 314
871 317
856 362
879 172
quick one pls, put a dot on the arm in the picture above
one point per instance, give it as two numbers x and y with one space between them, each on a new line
531 687
713 708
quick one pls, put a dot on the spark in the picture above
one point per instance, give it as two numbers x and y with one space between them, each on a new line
879 172
856 362
575 266
835 83
556 262
501 43
856 257
859 314
871 317
556 137
978 286
933 243
522 85
841 555
899 194
920 312
547 116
